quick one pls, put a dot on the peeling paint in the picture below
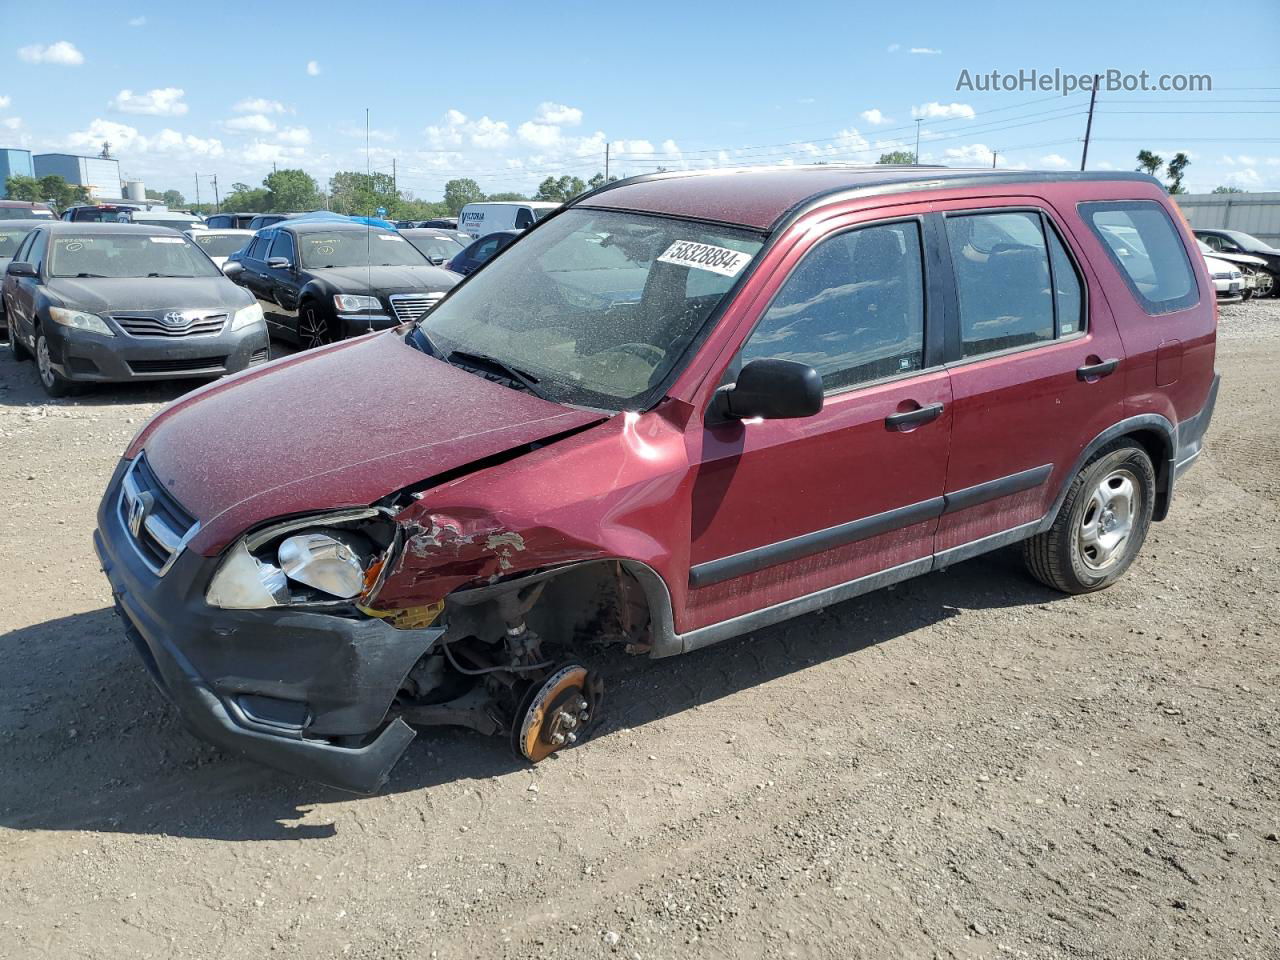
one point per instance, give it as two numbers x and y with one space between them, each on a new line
502 544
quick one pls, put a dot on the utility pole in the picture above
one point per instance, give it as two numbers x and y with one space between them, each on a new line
197 189
394 191
994 154
1088 127
606 162
917 156
217 203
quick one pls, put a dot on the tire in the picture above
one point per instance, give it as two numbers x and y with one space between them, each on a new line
315 327
1101 524
54 383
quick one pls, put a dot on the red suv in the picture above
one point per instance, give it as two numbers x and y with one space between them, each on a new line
682 408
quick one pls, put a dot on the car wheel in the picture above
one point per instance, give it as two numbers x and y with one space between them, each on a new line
315 327
1101 524
54 383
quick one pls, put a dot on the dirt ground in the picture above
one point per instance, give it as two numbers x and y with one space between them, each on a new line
968 765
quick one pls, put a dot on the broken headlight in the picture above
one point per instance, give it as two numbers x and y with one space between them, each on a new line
317 560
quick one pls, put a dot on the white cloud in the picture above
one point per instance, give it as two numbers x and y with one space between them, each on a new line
313 68
974 154
294 136
1055 161
937 111
162 102
894 47
259 105
456 128
539 134
138 22
557 114
11 123
250 123
1244 178
489 133
927 51
874 117
127 139
4 102
62 53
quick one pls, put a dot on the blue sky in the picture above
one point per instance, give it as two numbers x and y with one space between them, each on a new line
508 93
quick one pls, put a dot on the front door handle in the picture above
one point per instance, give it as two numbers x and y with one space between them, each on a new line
913 418
1094 371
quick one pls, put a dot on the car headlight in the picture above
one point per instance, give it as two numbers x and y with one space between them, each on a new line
247 317
310 560
80 320
350 303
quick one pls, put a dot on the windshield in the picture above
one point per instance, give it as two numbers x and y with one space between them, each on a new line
220 244
1247 242
12 235
540 212
437 248
358 248
127 255
171 223
24 213
598 306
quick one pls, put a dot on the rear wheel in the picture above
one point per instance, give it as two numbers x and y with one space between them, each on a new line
1101 524
315 326
54 383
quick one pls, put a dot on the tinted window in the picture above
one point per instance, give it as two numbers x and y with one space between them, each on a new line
12 235
24 249
283 246
39 244
1066 283
217 244
1143 242
219 221
853 309
484 250
524 218
258 249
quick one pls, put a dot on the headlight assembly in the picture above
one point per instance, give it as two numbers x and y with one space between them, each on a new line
350 303
80 320
247 317
322 561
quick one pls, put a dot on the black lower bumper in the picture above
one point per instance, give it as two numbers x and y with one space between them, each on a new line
288 688
1191 432
90 358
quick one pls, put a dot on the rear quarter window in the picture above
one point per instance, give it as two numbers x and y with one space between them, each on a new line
1143 242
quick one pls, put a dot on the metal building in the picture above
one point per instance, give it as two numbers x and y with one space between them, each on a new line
1257 214
101 177
14 163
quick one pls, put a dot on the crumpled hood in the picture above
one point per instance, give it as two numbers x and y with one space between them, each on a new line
337 427
379 279
125 295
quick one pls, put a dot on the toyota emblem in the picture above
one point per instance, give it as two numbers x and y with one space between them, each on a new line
174 319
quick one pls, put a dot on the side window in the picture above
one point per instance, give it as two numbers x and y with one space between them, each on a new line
853 309
1213 240
283 246
38 246
485 249
1001 266
24 248
524 219
1068 298
1143 242
258 249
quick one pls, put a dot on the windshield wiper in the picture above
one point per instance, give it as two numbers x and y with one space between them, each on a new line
172 276
514 374
90 276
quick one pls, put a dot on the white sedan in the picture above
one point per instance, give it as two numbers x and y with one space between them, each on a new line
1228 281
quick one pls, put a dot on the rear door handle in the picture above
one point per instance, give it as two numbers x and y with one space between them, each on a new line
1093 371
913 418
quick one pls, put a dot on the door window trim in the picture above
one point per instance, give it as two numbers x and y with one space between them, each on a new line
933 348
1047 221
1152 308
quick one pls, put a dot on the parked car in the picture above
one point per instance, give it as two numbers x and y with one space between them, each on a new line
440 223
229 221
1235 243
101 212
219 245
438 246
1228 281
481 219
24 210
322 280
685 408
12 233
1257 280
108 302
167 218
261 220
480 252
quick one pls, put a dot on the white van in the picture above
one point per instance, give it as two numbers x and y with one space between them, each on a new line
481 219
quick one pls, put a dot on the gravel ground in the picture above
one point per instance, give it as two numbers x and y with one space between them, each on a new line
968 765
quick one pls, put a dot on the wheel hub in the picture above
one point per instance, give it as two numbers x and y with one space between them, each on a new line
555 713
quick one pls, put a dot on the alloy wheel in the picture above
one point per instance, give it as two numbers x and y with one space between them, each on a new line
313 328
43 363
1108 519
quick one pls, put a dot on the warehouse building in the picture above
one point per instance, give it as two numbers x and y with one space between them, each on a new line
14 163
100 176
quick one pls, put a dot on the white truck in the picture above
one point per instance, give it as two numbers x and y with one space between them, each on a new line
481 219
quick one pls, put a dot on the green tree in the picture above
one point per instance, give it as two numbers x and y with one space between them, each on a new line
509 195
291 190
898 156
458 193
1149 162
1177 167
361 194
52 189
560 190
1227 190
172 198
598 181
19 187
245 199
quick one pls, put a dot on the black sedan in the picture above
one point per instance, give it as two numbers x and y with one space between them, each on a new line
482 251
1235 242
107 302
324 280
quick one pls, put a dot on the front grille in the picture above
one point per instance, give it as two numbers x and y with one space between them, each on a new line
154 521
411 306
260 356
192 325
190 365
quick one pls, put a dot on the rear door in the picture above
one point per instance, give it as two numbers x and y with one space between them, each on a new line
1037 368
787 509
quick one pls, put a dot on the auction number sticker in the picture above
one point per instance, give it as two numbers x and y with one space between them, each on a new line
166 239
704 256
383 236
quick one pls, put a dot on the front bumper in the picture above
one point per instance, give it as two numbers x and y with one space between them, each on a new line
354 324
91 358
279 686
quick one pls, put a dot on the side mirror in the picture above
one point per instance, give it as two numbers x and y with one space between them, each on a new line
20 268
773 389
279 263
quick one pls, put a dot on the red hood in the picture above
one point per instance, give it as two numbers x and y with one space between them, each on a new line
334 428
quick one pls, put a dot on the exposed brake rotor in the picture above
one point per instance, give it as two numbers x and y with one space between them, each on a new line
556 713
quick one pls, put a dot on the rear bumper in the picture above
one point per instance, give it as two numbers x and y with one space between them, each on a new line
286 688
1191 432
90 358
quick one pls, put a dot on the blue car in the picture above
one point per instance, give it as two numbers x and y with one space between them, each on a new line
482 251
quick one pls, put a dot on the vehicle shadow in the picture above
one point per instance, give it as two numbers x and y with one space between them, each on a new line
86 743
